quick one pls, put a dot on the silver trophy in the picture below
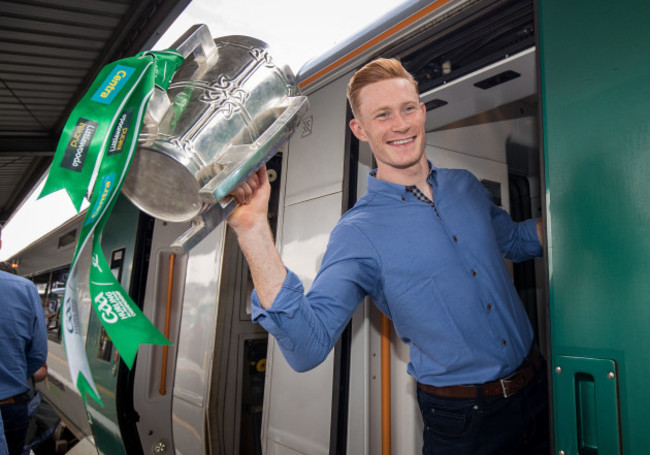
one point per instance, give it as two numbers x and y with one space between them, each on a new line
228 110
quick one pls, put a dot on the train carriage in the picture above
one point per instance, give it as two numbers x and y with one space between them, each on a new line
542 101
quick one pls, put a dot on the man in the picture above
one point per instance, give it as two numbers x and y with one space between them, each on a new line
23 352
427 245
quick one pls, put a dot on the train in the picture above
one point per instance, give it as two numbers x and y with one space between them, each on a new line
542 101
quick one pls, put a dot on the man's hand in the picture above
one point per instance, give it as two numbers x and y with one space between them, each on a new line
250 222
252 198
41 374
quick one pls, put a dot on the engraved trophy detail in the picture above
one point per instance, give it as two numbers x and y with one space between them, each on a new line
228 110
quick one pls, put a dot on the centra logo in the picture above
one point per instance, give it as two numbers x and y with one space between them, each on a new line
113 83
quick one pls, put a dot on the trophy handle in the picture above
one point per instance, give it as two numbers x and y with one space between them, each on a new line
202 225
245 160
198 41
242 161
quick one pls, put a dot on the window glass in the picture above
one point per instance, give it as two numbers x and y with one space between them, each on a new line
54 301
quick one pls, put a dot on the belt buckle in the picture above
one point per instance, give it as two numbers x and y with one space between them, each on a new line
503 382
503 388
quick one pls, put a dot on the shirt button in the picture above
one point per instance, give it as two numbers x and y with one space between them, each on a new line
489 306
474 273
504 342
455 238
403 198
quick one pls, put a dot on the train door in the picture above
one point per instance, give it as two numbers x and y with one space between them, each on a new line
240 347
202 394
111 422
298 406
595 70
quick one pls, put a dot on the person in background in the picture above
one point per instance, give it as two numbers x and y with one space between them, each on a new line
4 267
3 442
23 353
427 245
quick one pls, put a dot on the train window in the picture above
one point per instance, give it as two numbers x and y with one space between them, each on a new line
59 277
105 346
54 302
53 321
50 286
117 263
42 282
67 239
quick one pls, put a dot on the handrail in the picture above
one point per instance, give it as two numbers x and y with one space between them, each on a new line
385 386
168 311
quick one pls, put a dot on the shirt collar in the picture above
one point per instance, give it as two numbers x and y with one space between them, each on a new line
376 185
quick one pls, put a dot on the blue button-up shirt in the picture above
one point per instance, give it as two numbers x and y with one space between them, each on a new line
23 336
437 272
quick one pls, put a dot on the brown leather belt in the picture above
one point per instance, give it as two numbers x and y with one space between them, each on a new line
22 398
10 400
506 387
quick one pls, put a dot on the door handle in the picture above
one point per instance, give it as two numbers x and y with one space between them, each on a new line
586 407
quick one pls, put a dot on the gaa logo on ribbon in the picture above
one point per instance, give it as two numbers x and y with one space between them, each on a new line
112 307
105 309
68 312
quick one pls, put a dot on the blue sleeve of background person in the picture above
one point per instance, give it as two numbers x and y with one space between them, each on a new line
3 443
307 326
37 349
518 241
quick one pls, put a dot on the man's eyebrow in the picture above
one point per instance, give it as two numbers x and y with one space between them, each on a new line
379 109
387 107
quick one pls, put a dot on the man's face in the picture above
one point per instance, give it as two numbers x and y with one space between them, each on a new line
391 119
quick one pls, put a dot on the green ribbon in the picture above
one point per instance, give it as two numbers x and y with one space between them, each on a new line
95 152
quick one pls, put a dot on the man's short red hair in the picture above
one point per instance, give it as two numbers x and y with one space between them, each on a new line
378 70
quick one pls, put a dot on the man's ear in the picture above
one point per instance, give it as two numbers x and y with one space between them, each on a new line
357 130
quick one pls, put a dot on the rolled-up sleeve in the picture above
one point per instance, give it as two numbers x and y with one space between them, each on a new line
307 325
518 240
277 319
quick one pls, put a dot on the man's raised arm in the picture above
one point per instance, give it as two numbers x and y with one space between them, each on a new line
250 222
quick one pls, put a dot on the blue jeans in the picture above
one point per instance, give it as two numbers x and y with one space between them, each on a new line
15 421
518 424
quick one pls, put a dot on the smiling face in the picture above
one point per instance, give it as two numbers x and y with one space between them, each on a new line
391 119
